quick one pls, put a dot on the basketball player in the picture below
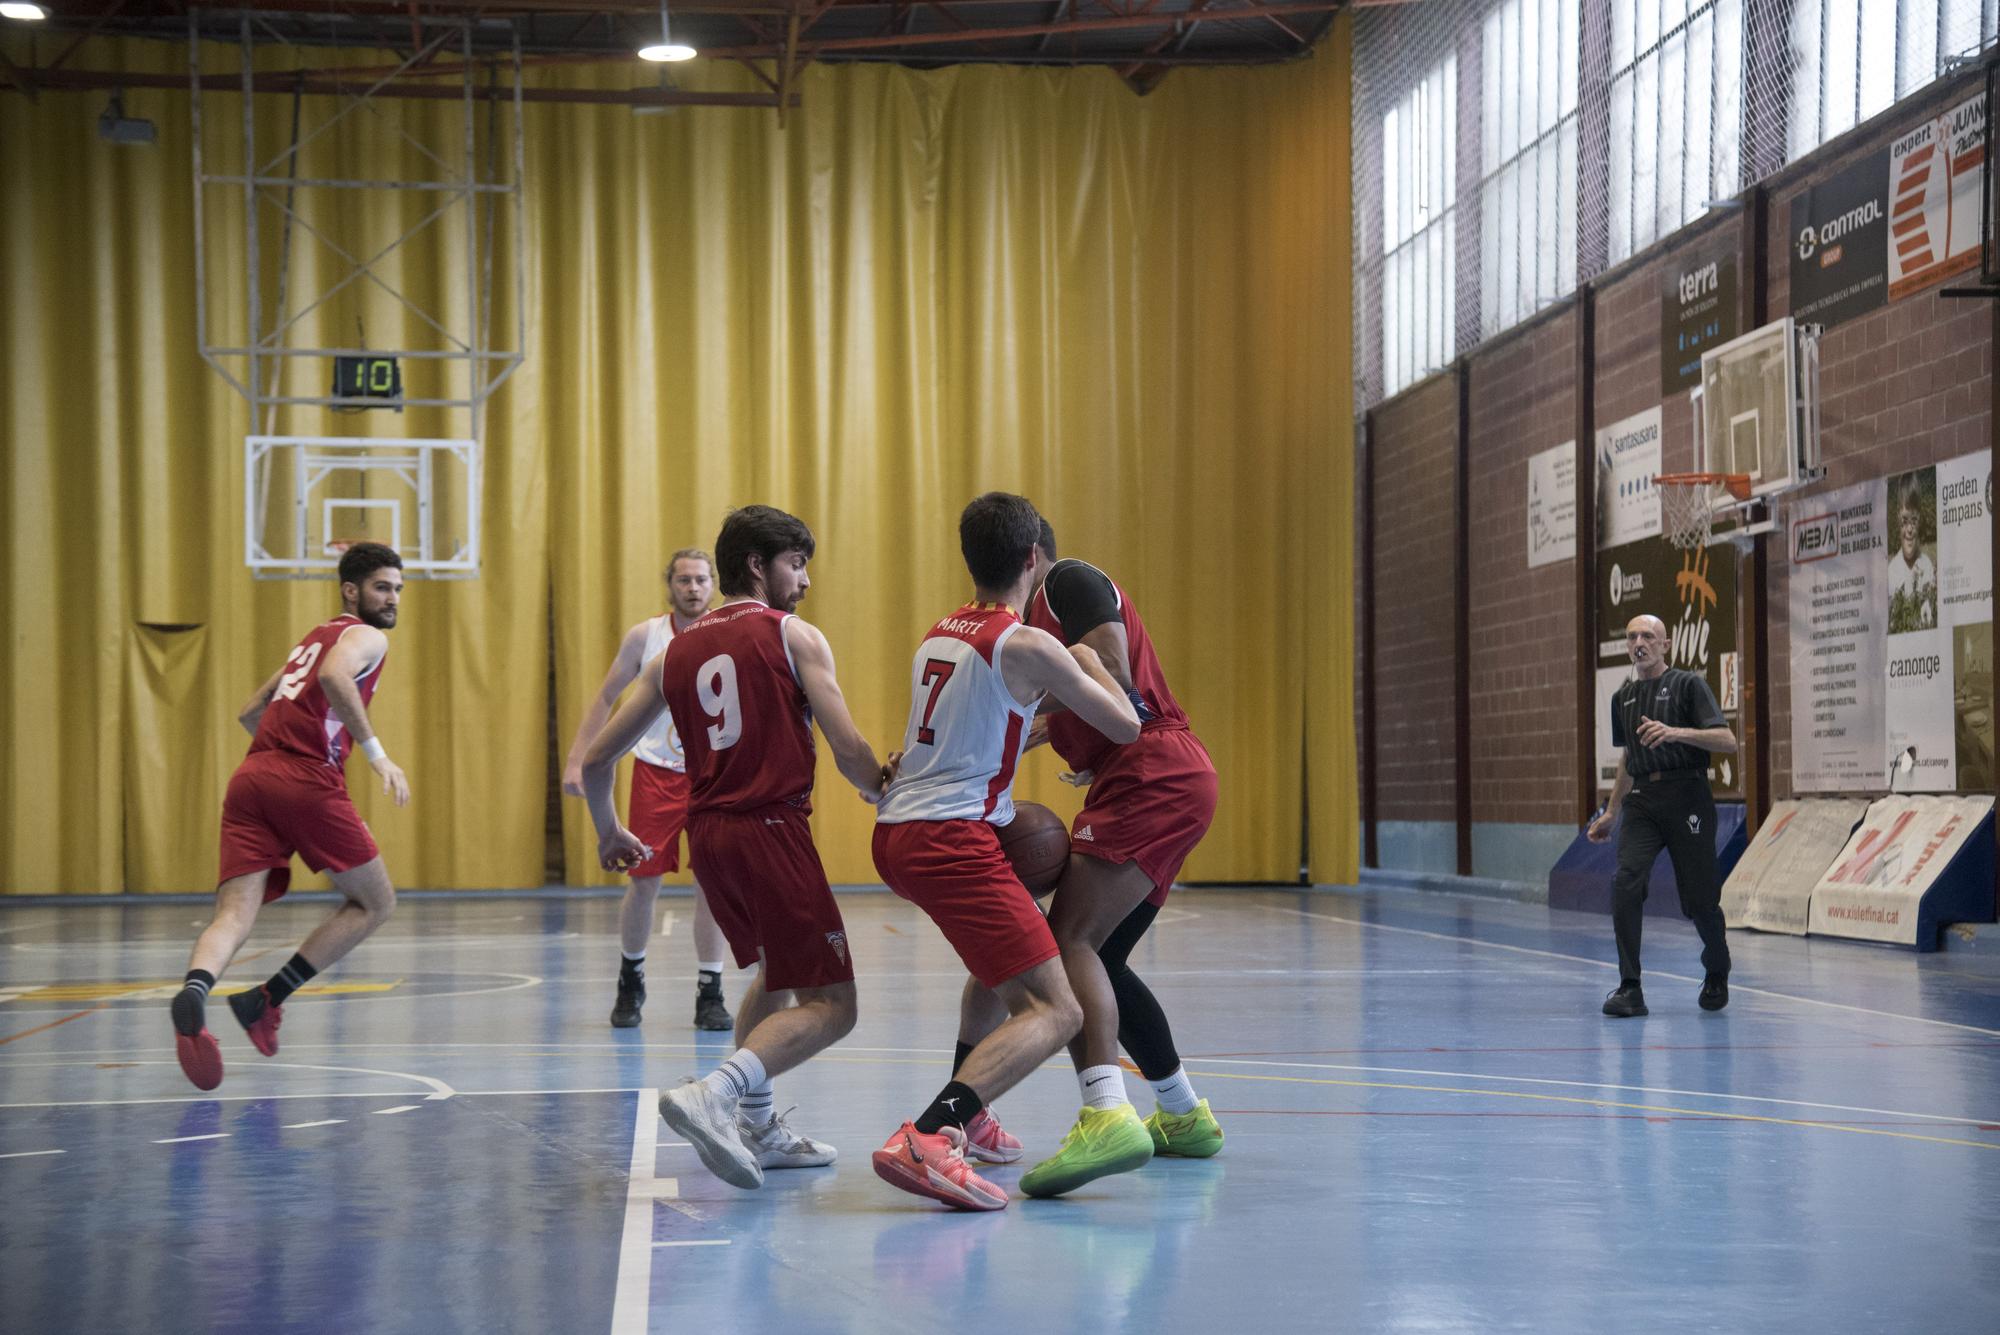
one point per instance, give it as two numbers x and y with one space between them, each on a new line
1150 803
744 684
1667 721
289 796
657 810
974 687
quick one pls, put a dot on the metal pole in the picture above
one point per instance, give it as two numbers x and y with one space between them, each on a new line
250 222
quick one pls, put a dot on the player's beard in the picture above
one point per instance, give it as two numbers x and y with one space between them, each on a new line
381 618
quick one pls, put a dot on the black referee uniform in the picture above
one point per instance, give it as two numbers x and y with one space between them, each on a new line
1671 806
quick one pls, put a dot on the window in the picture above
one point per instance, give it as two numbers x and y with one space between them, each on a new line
1676 114
1527 193
1857 57
1419 219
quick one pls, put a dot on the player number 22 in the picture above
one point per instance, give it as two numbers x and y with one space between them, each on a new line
294 681
937 672
716 685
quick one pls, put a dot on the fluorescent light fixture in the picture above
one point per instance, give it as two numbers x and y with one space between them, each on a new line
26 13
666 51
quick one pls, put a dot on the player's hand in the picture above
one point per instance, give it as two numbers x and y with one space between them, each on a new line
621 850
1653 733
1600 828
1038 733
1078 778
573 780
393 781
892 767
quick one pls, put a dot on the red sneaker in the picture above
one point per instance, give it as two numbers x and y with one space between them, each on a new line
259 1018
935 1166
201 1058
986 1142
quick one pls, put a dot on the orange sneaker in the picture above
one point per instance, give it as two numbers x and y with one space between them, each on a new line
935 1166
986 1142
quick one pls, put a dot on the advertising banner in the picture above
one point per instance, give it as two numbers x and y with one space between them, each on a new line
1839 252
1934 180
1552 505
1771 887
1873 890
1628 458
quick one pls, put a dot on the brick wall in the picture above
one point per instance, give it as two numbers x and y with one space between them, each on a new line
1414 440
1523 677
1904 386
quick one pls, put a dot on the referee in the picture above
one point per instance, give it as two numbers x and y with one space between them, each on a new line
1667 722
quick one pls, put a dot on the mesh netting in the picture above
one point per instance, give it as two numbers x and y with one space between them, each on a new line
1505 151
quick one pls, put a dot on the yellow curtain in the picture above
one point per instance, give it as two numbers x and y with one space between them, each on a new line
923 286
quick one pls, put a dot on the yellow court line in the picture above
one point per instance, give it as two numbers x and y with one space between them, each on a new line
1603 1103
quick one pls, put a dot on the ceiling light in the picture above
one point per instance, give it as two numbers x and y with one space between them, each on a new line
666 51
17 9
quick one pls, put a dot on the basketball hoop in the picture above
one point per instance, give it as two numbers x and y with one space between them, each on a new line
1688 502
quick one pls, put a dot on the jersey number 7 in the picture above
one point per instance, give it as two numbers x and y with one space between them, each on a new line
936 673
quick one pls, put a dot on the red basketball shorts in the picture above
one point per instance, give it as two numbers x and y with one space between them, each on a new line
1151 804
768 891
279 804
657 812
956 871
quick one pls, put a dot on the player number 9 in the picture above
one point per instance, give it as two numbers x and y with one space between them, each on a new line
715 684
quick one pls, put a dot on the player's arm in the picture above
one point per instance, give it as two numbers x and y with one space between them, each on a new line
1032 662
1600 828
251 714
624 667
617 847
353 656
812 659
1713 735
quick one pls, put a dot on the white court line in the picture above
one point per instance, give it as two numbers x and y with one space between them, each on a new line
182 1140
667 923
1607 964
300 1126
31 1154
439 1089
522 980
633 1298
696 1242
387 1112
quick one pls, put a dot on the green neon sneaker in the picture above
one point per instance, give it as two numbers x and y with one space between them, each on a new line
1103 1141
1191 1135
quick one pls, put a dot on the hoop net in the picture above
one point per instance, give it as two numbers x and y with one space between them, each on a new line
1688 503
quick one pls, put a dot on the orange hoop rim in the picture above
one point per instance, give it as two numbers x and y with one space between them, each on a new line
1738 483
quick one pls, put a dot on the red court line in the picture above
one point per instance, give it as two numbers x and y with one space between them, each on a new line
1602 1047
43 1028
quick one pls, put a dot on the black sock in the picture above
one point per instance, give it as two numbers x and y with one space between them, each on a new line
632 968
955 1103
708 980
959 1055
295 975
190 1003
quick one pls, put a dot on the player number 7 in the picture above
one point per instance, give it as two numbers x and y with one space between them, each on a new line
937 672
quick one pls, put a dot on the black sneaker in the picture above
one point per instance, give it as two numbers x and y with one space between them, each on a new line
631 997
1714 992
1626 1002
710 1010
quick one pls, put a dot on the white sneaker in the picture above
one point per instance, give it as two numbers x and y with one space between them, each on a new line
708 1122
778 1146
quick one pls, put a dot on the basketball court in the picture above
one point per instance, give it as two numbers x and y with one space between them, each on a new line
1397 359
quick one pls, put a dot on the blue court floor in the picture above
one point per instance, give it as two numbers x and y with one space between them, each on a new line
1430 1129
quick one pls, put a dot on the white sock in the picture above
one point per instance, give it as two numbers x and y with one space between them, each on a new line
709 966
635 956
736 1077
1102 1086
1175 1093
759 1105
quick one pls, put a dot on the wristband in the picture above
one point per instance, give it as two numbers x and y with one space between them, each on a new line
374 750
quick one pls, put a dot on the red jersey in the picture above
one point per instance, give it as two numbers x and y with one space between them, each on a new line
742 715
1081 746
299 720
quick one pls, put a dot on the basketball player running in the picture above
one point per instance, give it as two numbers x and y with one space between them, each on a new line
974 688
657 810
1150 803
744 684
289 796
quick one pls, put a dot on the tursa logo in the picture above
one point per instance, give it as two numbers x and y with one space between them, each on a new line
1625 586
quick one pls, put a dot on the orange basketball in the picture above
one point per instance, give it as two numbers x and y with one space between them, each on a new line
1037 843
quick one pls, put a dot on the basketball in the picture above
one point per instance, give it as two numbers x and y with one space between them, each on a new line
1037 842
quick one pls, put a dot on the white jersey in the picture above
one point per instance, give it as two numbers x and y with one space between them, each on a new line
661 745
966 729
